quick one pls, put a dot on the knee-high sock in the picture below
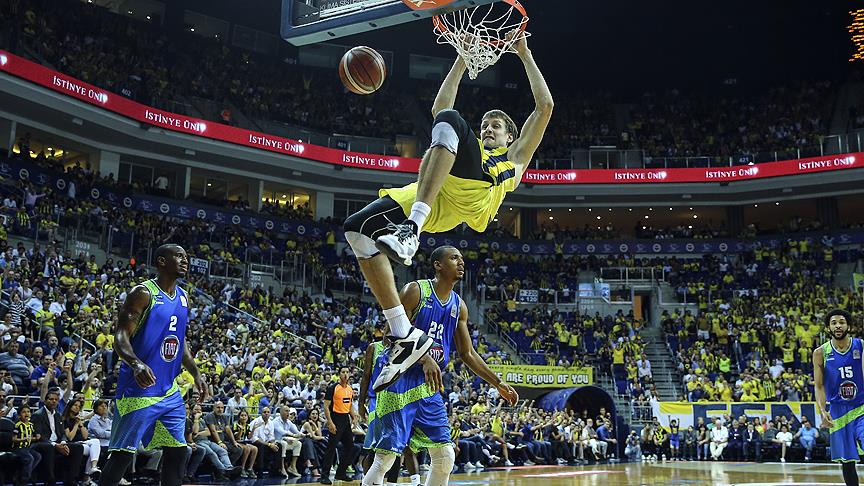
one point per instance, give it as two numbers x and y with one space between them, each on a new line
173 465
115 467
849 474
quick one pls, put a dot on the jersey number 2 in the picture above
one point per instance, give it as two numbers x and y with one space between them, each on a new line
846 372
172 326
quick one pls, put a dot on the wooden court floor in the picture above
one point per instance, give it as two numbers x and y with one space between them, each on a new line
654 474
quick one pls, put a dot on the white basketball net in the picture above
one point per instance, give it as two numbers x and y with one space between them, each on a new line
479 34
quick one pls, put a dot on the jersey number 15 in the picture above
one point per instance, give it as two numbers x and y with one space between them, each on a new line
845 372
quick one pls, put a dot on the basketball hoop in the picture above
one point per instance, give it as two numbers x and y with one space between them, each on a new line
479 34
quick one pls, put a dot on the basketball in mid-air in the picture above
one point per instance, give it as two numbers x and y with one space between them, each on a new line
362 70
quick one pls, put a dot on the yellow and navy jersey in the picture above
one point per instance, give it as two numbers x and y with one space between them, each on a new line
461 200
23 430
241 431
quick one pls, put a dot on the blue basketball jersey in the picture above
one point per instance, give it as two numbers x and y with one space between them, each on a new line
438 320
158 341
844 374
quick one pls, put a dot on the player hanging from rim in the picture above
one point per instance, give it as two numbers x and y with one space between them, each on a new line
462 179
412 411
150 337
839 382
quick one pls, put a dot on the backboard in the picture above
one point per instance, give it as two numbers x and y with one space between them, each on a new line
310 21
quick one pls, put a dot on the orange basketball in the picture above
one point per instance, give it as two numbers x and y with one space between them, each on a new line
362 70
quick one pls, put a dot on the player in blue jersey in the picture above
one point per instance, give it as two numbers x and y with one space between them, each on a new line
150 339
366 407
411 411
839 379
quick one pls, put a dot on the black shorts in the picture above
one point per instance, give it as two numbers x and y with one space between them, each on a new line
469 162
372 220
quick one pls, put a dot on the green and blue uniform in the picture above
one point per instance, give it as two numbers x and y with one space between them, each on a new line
378 348
844 389
154 416
409 412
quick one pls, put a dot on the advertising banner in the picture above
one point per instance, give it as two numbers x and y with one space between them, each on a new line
534 376
687 414
58 181
116 103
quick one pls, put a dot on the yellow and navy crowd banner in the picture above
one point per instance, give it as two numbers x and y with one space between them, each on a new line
536 376
687 414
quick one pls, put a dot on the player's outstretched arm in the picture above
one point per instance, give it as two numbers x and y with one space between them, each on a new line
475 362
200 382
368 363
819 385
447 92
522 150
127 322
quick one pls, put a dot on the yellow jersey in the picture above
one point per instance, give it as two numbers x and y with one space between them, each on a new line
464 200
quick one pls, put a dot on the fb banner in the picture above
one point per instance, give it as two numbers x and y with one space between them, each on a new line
534 376
87 93
687 414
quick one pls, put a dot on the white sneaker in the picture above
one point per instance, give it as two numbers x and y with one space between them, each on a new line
528 462
400 243
469 466
782 459
508 463
479 465
124 482
403 354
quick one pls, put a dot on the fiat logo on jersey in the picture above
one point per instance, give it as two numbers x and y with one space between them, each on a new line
848 390
437 353
169 349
